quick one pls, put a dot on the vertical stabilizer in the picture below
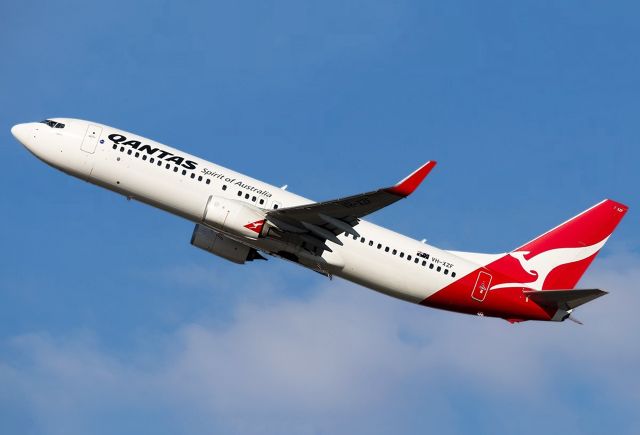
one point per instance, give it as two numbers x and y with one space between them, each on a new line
558 258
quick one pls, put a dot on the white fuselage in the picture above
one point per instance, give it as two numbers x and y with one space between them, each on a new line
84 150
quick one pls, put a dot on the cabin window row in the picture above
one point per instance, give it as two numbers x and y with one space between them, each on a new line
409 257
248 196
159 162
192 175
251 198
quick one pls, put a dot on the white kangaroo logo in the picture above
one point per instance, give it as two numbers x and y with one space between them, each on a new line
543 263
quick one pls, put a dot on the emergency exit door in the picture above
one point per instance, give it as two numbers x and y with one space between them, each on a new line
91 137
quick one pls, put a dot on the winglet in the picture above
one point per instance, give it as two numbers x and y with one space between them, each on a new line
410 183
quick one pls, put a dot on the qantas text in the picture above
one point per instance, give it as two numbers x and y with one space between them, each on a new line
120 139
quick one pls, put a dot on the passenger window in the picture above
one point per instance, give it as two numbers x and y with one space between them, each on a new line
361 239
275 206
394 252
208 180
175 169
144 157
114 146
246 196
261 200
121 149
379 245
253 199
424 263
224 187
417 260
137 155
453 274
184 172
129 152
446 271
409 257
438 269
239 193
370 242
193 175
168 166
199 177
159 162
401 254
386 249
430 265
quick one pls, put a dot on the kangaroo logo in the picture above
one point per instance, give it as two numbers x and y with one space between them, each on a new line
540 266
255 226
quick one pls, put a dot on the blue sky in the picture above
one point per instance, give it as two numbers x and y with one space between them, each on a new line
110 322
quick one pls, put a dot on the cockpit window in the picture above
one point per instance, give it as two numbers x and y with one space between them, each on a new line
52 124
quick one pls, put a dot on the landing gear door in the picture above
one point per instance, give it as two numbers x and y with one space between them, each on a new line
91 137
482 286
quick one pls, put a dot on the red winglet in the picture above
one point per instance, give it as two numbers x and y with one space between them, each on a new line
409 184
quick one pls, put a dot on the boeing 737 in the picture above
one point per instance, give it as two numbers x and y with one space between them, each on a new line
242 219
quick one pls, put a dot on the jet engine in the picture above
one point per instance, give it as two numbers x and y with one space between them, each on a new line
216 243
235 217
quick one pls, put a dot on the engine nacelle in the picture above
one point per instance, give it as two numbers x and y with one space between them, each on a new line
234 217
222 246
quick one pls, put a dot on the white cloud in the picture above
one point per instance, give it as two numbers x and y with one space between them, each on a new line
342 360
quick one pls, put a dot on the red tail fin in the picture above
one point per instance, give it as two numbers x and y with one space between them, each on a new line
558 258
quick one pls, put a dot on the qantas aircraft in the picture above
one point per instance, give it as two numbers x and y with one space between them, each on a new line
238 217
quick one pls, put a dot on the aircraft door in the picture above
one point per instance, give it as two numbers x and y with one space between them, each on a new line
481 288
91 137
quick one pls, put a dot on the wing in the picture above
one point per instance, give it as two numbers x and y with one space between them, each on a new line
564 299
312 224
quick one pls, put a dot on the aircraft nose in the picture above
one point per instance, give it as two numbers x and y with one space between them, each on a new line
21 132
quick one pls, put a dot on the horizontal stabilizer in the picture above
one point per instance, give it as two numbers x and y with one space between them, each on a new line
564 299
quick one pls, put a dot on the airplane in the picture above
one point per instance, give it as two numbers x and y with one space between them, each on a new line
241 219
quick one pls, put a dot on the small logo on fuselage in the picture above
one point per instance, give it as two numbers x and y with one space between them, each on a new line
255 226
